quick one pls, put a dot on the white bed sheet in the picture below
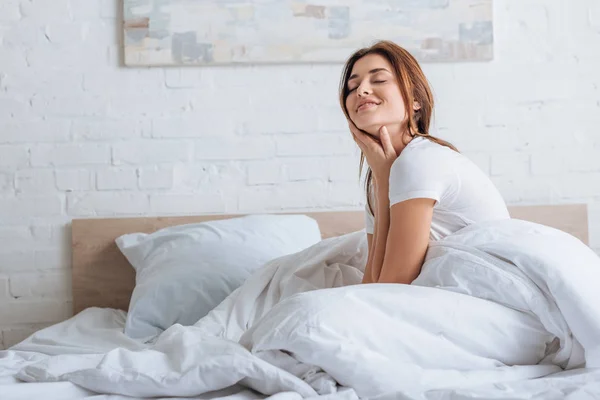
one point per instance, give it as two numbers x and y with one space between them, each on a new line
523 268
98 330
93 331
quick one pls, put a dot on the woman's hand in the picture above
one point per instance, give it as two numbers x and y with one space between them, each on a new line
380 154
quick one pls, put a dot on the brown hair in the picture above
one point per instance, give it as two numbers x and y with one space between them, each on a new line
413 87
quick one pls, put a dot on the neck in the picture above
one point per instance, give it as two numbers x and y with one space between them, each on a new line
399 136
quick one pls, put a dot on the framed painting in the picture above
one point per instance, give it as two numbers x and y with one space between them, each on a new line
213 32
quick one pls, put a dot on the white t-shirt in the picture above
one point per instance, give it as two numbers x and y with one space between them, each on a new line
463 193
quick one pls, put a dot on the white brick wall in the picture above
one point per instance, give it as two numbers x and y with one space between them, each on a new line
82 136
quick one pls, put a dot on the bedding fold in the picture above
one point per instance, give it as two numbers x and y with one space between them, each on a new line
495 303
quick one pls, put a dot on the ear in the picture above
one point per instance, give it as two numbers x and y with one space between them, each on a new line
416 105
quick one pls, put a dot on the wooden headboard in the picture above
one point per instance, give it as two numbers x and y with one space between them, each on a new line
102 276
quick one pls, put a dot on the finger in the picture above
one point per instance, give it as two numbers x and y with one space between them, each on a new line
369 142
386 141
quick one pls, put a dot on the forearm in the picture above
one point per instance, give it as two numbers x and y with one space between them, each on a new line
380 234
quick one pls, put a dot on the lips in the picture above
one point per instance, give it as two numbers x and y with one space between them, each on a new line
367 104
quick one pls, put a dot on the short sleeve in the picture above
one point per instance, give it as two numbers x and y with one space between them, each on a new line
369 221
418 174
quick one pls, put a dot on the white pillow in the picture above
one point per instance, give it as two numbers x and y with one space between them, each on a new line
183 272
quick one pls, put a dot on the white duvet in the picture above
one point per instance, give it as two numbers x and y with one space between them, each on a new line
496 305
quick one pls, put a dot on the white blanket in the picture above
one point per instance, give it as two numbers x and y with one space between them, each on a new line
495 303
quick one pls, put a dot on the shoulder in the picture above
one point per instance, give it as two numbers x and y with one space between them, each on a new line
424 169
423 158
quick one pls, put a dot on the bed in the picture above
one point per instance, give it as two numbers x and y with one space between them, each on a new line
102 277
103 282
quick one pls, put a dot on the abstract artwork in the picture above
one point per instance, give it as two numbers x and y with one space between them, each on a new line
216 32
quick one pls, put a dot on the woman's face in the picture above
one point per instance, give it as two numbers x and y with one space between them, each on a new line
374 97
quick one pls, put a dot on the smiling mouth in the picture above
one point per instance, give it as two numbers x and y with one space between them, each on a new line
367 106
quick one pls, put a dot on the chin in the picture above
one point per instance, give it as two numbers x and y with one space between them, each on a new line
369 126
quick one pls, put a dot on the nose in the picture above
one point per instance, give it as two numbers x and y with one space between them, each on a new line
363 90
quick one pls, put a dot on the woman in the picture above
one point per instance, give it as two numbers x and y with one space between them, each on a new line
419 188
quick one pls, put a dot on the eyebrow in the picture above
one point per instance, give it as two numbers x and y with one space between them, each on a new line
373 71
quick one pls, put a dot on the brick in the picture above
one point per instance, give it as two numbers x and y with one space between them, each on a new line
289 120
20 207
35 181
525 189
12 157
188 78
548 162
45 10
116 179
16 236
259 199
121 81
85 11
4 292
447 118
580 186
306 169
207 175
81 57
150 152
114 55
344 169
65 33
34 260
107 130
35 311
265 173
25 34
187 203
70 106
9 11
102 33
109 9
45 83
6 182
315 145
309 194
155 177
34 131
510 164
226 174
587 160
499 138
190 177
197 126
60 232
594 16
16 107
35 284
282 97
332 119
136 105
13 60
73 179
344 194
70 154
225 148
106 204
